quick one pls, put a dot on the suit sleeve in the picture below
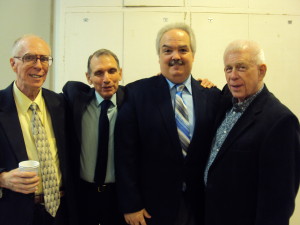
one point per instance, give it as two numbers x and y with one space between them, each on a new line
127 157
279 163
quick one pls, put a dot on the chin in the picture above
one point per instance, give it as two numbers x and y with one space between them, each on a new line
180 78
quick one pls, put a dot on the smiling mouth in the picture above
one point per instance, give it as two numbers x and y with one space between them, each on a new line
36 76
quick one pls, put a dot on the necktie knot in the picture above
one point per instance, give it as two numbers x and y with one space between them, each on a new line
105 105
180 87
33 107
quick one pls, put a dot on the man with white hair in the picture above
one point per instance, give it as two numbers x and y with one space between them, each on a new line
32 126
252 174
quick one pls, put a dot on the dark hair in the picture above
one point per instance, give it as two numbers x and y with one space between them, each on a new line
99 53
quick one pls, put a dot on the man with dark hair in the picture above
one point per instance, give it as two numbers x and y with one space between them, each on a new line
93 115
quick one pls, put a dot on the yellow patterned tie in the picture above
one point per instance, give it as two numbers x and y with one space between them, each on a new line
50 182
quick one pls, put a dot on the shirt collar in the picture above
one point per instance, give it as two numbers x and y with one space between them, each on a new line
23 101
187 84
242 106
99 99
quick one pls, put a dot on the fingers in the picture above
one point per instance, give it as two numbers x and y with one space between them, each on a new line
137 218
18 181
206 83
25 189
146 214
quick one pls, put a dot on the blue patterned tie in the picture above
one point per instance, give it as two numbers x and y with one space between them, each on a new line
50 183
182 120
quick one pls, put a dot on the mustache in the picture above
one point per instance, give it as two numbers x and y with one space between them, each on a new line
174 62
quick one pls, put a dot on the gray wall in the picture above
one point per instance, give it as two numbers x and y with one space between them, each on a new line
18 17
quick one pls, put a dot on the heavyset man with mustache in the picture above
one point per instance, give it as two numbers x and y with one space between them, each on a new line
159 181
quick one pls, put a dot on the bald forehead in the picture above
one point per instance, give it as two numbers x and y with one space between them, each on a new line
33 45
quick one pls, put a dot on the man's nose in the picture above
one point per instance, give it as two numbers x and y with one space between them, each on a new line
176 55
38 63
106 77
234 73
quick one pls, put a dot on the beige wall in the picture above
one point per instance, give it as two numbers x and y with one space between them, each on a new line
18 17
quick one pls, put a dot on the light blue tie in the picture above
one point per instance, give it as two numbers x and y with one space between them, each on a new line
182 120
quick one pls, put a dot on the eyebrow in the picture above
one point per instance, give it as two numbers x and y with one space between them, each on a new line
181 46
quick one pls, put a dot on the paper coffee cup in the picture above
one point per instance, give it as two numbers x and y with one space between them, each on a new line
29 166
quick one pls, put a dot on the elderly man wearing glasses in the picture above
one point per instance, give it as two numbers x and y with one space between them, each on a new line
32 127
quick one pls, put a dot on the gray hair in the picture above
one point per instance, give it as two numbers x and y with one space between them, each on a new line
180 26
257 53
99 53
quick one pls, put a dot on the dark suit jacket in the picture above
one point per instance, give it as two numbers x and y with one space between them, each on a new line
78 95
17 208
255 176
150 168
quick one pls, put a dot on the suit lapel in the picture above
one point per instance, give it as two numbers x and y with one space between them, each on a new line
238 129
54 107
199 101
120 96
243 123
80 104
11 124
161 93
200 112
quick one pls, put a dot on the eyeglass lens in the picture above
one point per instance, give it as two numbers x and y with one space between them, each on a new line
33 58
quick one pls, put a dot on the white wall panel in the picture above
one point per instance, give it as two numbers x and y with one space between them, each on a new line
279 36
86 33
213 33
92 3
220 3
153 2
140 29
283 6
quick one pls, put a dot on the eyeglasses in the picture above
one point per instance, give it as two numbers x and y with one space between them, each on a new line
30 58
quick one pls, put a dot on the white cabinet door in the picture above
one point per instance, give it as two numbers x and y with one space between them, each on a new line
84 34
281 6
140 30
220 3
213 33
94 3
153 2
279 36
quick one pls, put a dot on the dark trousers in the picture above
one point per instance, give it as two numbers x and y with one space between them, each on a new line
185 212
42 217
99 207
